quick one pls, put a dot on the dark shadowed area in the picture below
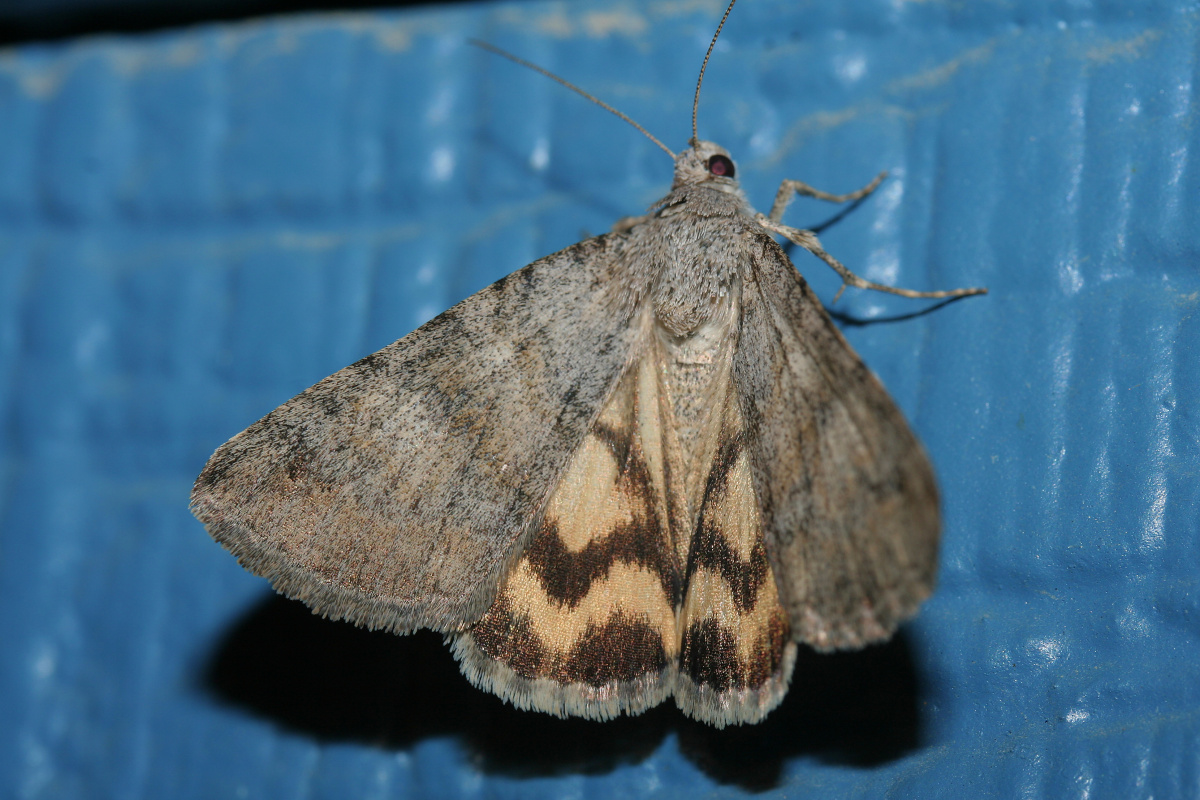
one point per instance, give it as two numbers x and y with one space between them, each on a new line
22 22
337 683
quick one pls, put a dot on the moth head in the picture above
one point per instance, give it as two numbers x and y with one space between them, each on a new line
706 163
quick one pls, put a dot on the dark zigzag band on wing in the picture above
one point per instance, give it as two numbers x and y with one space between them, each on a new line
625 452
567 576
710 548
745 578
622 648
542 694
709 655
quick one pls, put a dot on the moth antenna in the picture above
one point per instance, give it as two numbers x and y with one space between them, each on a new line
491 48
700 80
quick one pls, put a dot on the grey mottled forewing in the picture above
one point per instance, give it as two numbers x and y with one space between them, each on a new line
396 492
848 497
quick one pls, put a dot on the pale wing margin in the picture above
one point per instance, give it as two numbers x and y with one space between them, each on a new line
396 492
849 502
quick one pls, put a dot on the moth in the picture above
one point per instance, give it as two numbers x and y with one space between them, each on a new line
643 467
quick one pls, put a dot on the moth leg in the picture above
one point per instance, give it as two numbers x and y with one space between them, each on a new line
808 240
790 188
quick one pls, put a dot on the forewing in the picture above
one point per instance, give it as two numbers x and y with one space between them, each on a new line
849 502
397 492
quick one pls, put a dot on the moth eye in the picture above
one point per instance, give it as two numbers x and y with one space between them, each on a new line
720 166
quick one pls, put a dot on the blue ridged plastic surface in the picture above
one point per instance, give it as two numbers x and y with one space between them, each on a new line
197 224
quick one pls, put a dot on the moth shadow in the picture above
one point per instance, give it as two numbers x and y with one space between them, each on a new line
851 321
337 683
847 320
333 681
842 212
856 709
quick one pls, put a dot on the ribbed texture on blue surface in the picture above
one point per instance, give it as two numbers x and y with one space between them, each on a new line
196 225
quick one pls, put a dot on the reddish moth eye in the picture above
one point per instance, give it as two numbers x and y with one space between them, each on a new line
720 166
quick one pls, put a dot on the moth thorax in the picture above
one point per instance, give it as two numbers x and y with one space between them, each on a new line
690 309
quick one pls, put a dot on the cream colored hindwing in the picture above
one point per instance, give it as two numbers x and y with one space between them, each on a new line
630 590
736 653
585 624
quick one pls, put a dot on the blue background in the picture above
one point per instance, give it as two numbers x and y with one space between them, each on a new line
196 224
